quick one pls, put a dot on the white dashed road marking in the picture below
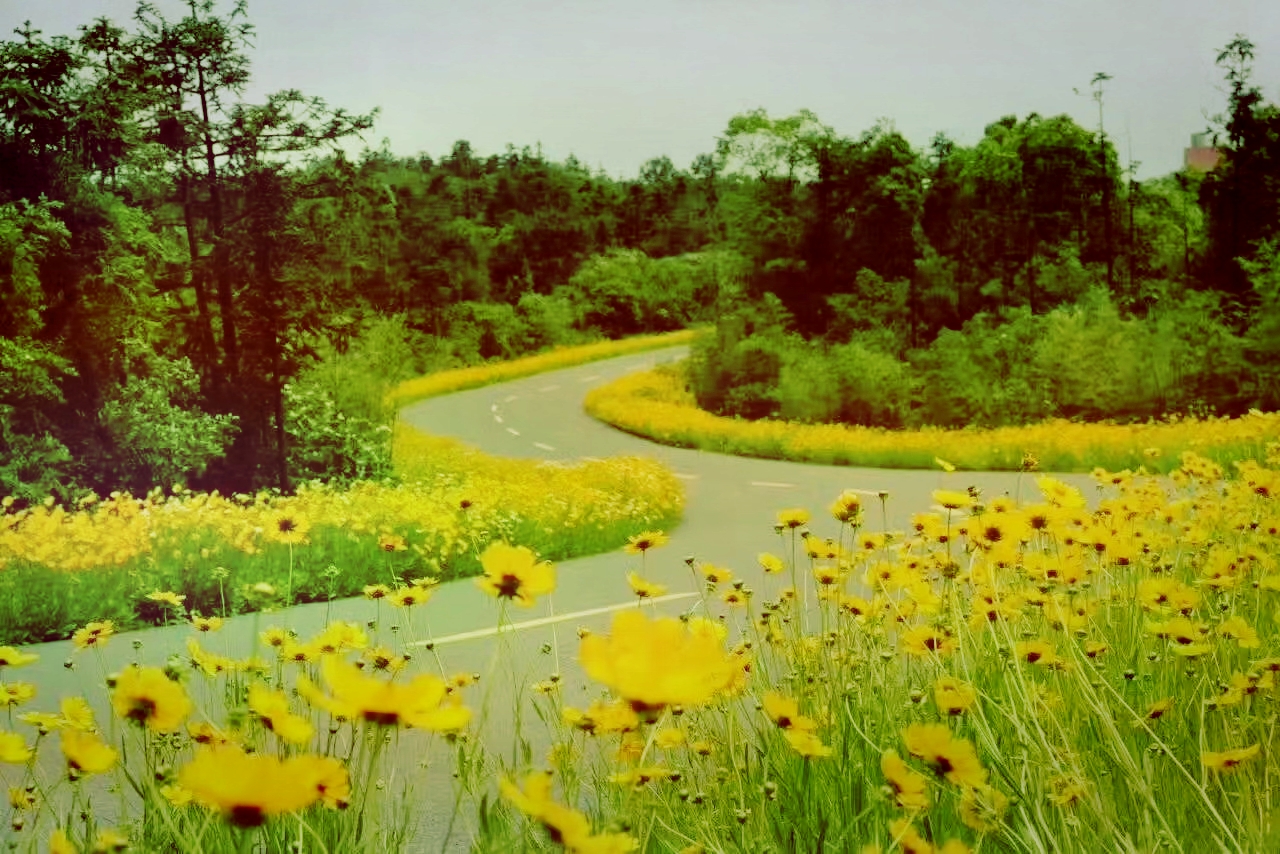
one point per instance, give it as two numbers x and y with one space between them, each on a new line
547 388
544 446
544 621
590 379
773 484
513 431
685 475
498 418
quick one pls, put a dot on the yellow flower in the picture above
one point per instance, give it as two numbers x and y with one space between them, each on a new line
423 703
275 637
148 697
565 826
715 574
655 663
249 788
847 508
14 657
910 788
644 589
22 799
86 753
167 597
953 758
796 517
643 542
272 708
785 712
177 795
982 808
60 844
332 781
805 743
669 738
953 696
770 563
206 624
407 597
1036 652
109 841
952 500
512 572
923 641
287 528
13 748
376 591
94 634
1228 760
1238 628
16 693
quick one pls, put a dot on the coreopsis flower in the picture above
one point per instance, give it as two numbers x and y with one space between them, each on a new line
634 778
14 694
982 807
392 543
376 591
207 624
146 696
806 743
950 757
644 589
288 528
332 781
272 708
60 844
565 826
512 572
951 499
1066 789
645 541
340 636
21 799
94 634
910 788
109 841
13 748
208 663
953 696
1036 652
407 597
669 738
784 711
86 753
423 703
167 597
382 658
1238 628
714 575
926 640
659 662
771 564
1228 760
250 788
14 657
602 718
796 517
847 508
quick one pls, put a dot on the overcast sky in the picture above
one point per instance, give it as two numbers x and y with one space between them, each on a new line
616 82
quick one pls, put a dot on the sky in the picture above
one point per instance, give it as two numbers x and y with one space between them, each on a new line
616 82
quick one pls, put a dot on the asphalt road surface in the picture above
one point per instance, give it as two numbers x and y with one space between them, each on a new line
731 507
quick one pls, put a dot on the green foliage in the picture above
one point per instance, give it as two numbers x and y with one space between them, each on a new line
157 427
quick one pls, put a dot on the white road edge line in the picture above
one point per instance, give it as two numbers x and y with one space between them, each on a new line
773 484
544 446
593 459
545 621
513 431
590 379
547 388
685 475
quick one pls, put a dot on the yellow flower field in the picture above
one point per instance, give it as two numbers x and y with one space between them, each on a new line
1045 677
658 405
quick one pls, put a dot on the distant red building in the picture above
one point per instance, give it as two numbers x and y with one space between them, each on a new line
1201 156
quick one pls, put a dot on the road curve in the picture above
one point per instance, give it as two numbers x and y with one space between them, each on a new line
729 518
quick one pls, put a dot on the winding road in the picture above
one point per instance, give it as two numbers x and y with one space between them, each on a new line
731 509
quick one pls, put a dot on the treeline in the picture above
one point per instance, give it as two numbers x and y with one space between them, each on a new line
1026 276
198 289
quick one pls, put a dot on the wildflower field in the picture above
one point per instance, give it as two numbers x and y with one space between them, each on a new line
62 566
658 405
998 677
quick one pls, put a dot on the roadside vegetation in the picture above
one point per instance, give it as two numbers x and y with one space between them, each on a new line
660 405
1042 677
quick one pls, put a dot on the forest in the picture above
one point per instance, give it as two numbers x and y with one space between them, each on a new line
200 290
